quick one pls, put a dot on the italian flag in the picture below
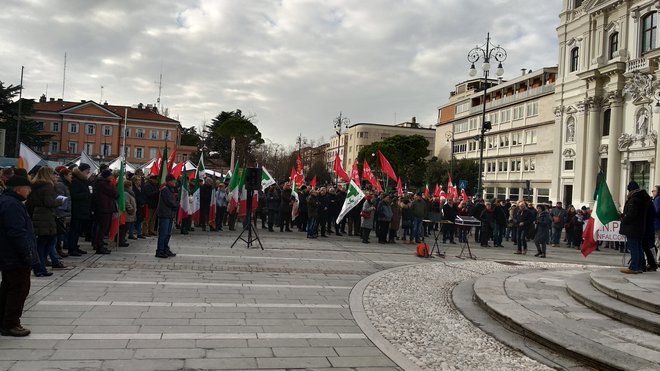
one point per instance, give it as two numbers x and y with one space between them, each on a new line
212 208
197 189
185 207
119 218
604 212
235 186
296 201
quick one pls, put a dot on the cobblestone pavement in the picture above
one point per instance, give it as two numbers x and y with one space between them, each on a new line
213 307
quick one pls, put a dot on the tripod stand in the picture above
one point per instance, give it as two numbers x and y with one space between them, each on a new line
248 226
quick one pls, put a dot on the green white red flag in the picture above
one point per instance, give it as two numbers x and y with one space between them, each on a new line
266 179
353 197
604 212
197 190
185 206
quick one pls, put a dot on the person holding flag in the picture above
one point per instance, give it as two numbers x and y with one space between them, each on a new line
167 210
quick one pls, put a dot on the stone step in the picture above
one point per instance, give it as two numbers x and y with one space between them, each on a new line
640 290
583 291
537 305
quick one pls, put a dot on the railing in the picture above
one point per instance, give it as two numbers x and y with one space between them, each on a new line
514 98
637 64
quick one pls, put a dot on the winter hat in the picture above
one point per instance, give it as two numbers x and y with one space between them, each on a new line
106 173
633 186
84 167
59 168
18 181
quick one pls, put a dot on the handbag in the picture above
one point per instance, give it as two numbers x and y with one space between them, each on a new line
61 225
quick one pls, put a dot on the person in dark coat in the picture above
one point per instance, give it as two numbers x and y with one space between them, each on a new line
333 211
151 193
81 207
524 218
273 206
487 224
449 212
340 227
543 224
285 209
301 220
324 204
656 215
140 206
167 210
633 226
42 202
312 214
501 217
476 212
649 239
105 202
17 253
205 193
384 219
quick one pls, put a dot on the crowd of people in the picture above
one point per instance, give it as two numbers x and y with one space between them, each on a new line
46 215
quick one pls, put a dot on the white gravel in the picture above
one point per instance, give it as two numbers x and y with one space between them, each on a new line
413 310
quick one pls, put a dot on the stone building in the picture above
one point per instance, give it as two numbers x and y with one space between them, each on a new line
606 98
519 146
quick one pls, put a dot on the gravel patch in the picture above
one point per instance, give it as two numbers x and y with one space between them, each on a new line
412 309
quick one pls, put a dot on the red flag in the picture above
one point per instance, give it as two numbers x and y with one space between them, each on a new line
355 175
452 191
339 170
436 193
300 178
299 165
292 177
313 184
427 193
369 176
155 167
386 167
464 195
178 169
589 245
399 189
170 163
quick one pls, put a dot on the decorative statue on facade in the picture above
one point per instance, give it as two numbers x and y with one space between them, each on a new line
625 141
642 124
570 130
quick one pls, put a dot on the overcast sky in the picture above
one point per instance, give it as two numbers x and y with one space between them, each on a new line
293 64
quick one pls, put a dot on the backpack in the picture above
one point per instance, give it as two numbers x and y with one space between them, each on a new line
423 250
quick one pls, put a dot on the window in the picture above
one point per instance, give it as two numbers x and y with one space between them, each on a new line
492 142
518 112
165 136
526 164
532 109
515 165
461 127
494 118
127 151
516 139
89 148
542 195
127 132
140 134
501 193
491 166
614 44
607 115
490 193
575 58
54 147
472 145
107 131
55 126
460 108
649 26
473 123
504 140
153 134
152 152
530 137
532 164
505 115
40 125
514 194
568 165
503 166
106 149
73 127
73 147
460 147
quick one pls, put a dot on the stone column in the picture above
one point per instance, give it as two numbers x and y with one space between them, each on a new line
557 148
580 145
613 153
591 153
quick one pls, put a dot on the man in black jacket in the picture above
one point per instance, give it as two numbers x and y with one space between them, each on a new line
81 208
166 211
633 225
16 255
150 190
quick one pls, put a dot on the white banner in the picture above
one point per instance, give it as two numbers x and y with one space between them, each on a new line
610 232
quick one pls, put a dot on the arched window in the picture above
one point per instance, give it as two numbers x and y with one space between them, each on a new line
575 57
649 28
607 116
614 44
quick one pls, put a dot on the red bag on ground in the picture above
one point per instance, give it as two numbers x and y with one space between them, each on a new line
423 250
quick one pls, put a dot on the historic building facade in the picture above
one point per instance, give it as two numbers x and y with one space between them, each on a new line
607 109
96 129
518 148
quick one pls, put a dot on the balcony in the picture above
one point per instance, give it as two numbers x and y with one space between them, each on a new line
530 93
639 64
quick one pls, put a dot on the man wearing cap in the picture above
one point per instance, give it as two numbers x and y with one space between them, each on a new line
633 226
167 209
17 252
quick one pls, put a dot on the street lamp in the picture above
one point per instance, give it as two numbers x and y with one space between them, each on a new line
340 123
485 53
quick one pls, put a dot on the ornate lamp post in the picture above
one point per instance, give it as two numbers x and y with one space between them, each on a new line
485 53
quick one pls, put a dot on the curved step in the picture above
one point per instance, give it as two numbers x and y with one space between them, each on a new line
582 290
640 290
536 305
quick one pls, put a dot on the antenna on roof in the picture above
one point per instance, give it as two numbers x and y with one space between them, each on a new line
101 98
160 87
64 76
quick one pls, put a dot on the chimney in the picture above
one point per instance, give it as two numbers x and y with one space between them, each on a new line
105 103
59 99
414 120
52 99
524 71
140 105
82 101
42 98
